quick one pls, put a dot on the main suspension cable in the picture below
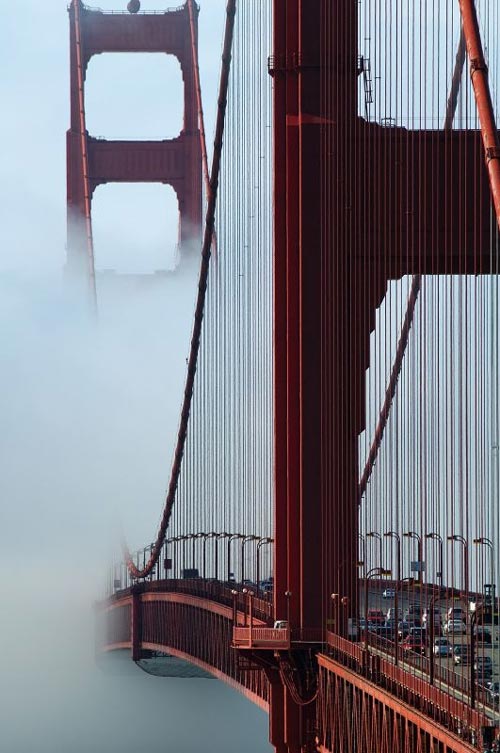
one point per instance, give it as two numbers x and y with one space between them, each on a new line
134 570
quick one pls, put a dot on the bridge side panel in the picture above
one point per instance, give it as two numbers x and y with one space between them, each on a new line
359 716
199 635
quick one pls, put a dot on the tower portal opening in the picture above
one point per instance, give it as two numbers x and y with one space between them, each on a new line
135 227
134 96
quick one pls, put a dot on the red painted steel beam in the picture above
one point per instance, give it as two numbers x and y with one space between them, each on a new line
79 192
479 76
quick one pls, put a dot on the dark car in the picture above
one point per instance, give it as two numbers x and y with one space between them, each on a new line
418 632
386 631
461 654
484 668
403 629
482 635
413 619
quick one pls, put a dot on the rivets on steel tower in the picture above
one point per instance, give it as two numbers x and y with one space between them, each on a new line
134 6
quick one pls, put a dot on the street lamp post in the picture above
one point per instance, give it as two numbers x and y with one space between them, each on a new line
167 561
473 621
463 541
484 541
432 631
394 535
184 539
375 535
404 581
244 541
363 550
373 573
232 537
222 535
338 602
418 539
210 535
262 542
436 537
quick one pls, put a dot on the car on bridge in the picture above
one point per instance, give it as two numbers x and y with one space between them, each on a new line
412 619
391 614
442 647
376 616
415 610
413 643
456 613
493 692
386 630
404 628
455 627
432 615
461 654
416 631
388 593
484 667
482 635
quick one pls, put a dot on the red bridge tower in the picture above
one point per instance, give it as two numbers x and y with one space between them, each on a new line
92 161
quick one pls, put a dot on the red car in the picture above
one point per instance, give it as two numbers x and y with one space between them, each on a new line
376 616
413 643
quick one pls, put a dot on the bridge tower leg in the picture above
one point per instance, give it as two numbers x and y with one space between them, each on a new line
92 162
318 376
318 372
335 248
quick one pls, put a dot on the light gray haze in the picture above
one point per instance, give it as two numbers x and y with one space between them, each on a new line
89 413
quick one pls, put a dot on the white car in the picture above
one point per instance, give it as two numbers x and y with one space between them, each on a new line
388 593
433 616
456 627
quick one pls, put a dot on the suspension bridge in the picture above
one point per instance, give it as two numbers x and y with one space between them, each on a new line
329 539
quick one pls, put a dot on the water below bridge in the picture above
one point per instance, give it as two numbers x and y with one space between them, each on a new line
120 709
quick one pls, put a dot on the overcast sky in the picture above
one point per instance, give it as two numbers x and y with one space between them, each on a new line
88 413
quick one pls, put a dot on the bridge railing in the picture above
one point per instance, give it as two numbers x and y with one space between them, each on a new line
212 590
453 680
105 12
441 704
275 638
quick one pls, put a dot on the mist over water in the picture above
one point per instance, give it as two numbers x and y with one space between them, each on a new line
88 415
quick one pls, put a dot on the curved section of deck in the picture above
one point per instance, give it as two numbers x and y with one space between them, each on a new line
190 620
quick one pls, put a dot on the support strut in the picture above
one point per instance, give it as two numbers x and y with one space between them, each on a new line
479 77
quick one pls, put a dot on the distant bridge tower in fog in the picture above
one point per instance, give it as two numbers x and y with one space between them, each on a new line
93 161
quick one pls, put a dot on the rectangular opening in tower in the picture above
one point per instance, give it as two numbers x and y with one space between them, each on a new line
135 228
134 96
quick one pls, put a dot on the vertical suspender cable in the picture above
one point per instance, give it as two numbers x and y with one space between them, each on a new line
451 105
412 298
135 571
85 165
